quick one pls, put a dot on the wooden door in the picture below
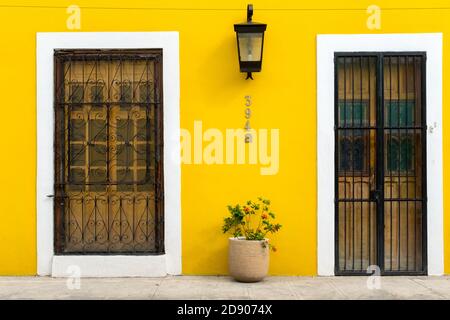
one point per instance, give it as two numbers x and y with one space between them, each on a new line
108 160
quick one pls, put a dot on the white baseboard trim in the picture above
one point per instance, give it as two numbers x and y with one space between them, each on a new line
109 266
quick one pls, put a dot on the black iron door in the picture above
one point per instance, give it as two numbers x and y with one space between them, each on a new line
108 152
380 163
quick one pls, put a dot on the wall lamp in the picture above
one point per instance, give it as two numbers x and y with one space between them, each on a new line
250 41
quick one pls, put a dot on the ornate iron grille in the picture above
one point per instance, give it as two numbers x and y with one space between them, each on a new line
380 157
108 152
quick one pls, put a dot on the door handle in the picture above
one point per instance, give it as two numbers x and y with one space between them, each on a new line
375 195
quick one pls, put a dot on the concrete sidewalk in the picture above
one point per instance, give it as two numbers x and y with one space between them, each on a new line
211 287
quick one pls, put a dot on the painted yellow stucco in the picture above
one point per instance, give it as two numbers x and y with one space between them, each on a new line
212 90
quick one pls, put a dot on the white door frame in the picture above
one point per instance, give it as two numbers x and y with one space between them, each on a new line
118 265
327 45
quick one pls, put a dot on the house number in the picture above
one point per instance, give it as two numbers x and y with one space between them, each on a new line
248 115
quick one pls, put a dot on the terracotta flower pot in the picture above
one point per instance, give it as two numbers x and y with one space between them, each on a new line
248 260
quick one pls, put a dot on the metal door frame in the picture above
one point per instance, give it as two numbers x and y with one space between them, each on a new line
380 160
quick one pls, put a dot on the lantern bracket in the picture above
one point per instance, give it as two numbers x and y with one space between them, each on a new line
249 12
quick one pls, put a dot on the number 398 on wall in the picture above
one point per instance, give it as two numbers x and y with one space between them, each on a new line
248 115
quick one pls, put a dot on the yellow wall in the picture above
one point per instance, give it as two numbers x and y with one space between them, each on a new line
212 90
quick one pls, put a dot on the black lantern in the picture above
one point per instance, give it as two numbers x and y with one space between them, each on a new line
250 41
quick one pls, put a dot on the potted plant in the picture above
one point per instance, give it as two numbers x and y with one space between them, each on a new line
248 252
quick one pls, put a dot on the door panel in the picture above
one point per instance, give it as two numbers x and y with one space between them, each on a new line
403 163
380 152
356 169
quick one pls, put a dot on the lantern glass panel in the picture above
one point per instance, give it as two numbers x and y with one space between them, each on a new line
250 46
